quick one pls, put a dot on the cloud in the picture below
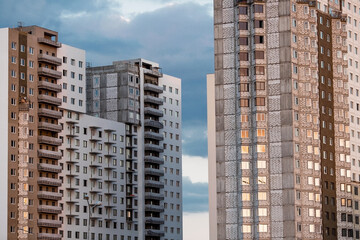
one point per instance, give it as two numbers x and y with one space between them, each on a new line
196 226
195 196
195 168
195 138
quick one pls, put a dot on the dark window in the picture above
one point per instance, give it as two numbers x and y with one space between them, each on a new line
259 24
243 41
343 217
244 72
357 234
356 219
356 190
259 70
258 8
259 39
243 26
259 54
244 102
343 232
259 101
350 218
260 85
244 87
350 233
244 56
243 10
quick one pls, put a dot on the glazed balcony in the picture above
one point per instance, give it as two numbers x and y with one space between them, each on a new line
49 42
153 147
154 208
49 127
49 59
42 98
49 168
49 223
49 140
154 135
49 209
153 111
49 181
153 123
49 236
154 171
48 72
154 72
49 86
49 154
154 220
154 233
153 159
153 183
152 99
153 88
45 112
49 195
153 195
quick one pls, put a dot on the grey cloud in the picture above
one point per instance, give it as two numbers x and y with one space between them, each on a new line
195 196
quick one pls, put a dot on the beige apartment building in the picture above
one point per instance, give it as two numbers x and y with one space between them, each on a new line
279 119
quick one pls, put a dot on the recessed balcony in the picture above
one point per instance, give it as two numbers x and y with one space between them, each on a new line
153 88
49 140
49 209
49 154
42 98
154 220
154 233
49 168
49 195
45 112
49 127
154 135
153 123
154 72
49 181
49 236
154 171
153 147
155 196
153 159
153 183
153 111
49 42
49 86
49 59
152 99
48 72
49 223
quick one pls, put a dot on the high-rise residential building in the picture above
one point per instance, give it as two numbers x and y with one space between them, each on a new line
279 121
137 93
73 175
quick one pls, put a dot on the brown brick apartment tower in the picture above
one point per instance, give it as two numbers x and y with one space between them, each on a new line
279 120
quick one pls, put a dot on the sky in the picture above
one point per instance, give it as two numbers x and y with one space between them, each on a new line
178 34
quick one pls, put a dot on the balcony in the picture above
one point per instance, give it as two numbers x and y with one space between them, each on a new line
49 181
153 88
154 135
154 220
153 183
49 99
49 168
49 236
153 147
49 59
49 140
48 72
49 42
49 223
49 86
49 209
49 127
153 123
154 171
153 111
154 208
153 159
154 233
152 99
44 112
153 195
49 195
49 154
154 72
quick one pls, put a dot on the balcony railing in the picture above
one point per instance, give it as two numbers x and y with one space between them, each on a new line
154 220
49 113
153 147
155 72
49 195
154 233
154 171
49 42
49 154
152 99
49 236
49 140
154 135
153 183
49 223
49 73
49 127
49 59
49 168
153 159
49 99
49 181
49 209
153 123
49 86
152 195
154 208
153 111
153 88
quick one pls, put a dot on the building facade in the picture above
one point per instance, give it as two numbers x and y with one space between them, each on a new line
279 121
73 175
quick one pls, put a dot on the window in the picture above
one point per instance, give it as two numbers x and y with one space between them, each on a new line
259 54
258 8
260 85
259 70
259 24
244 102
243 56
259 39
244 71
243 26
244 87
260 101
80 64
243 41
243 10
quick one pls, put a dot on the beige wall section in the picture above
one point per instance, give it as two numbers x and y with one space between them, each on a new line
211 154
4 87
